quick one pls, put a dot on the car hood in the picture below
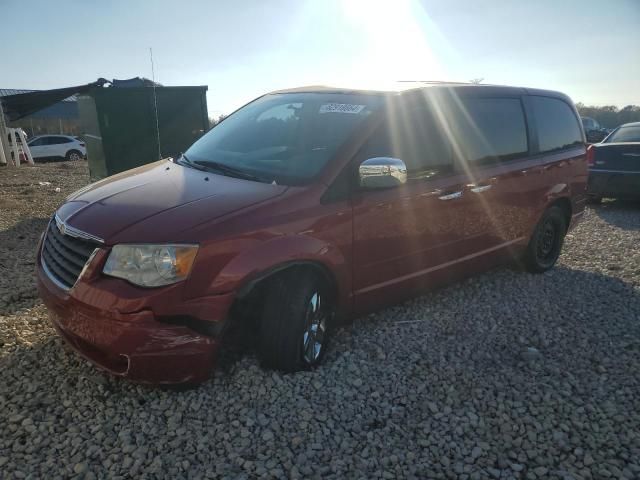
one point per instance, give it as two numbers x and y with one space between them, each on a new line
159 202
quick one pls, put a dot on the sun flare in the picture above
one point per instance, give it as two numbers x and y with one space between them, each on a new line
402 43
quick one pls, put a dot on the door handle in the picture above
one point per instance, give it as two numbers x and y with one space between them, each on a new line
451 196
480 188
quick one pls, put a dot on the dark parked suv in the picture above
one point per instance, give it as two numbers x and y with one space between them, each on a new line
593 131
302 209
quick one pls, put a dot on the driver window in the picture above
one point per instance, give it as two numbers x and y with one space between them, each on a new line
413 136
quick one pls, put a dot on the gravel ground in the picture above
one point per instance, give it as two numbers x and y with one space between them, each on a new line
506 375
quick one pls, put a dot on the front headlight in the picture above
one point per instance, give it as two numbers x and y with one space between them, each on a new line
151 265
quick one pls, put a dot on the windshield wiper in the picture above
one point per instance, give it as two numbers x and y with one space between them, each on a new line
228 170
209 165
183 159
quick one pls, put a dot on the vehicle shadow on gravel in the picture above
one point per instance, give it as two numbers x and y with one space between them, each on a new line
519 310
624 214
17 265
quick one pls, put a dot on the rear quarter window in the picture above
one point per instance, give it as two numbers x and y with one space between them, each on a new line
557 125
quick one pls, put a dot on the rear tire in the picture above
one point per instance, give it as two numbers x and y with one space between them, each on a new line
297 315
546 242
73 156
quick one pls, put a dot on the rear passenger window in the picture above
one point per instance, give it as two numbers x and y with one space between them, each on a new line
413 136
556 123
488 130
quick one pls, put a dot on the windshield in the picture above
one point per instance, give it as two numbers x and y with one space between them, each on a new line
625 134
287 138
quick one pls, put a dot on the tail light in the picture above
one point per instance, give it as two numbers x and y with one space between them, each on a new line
591 154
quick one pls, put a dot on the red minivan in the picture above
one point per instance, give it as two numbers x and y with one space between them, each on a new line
304 208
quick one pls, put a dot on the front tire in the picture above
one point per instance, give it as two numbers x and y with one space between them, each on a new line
297 315
546 242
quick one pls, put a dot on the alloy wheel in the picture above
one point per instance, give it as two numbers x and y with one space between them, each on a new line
315 329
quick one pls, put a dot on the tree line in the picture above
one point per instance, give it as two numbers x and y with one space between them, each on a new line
610 116
214 121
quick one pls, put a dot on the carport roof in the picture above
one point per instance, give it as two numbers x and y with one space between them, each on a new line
24 104
4 92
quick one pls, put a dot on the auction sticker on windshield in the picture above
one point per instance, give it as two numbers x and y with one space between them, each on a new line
341 108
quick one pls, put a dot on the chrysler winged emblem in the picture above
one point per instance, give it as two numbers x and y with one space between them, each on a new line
61 225
74 232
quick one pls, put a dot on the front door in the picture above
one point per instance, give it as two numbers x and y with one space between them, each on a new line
38 147
412 236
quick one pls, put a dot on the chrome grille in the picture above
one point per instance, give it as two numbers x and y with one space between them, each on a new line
64 256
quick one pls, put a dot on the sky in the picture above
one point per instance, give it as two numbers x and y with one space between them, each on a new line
240 49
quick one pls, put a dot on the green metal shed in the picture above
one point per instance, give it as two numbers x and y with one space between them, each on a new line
120 129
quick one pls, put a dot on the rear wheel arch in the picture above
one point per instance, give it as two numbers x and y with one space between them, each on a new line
565 204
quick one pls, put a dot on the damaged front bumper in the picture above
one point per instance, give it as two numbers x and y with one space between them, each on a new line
140 345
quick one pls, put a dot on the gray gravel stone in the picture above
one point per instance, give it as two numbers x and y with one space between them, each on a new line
532 354
438 387
476 452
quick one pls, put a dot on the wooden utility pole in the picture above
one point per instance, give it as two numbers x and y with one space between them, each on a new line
4 151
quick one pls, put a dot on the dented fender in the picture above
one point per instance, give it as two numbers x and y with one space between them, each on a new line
278 253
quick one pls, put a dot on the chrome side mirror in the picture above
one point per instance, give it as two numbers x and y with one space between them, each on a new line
382 172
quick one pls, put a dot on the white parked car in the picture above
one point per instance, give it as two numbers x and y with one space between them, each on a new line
63 146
